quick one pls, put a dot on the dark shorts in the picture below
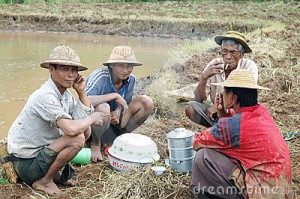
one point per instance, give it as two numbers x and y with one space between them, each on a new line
113 132
117 127
211 175
118 130
200 109
33 169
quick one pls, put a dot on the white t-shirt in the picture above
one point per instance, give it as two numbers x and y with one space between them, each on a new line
36 126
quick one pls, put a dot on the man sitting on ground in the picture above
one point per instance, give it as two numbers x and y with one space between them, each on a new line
244 154
52 128
233 47
110 91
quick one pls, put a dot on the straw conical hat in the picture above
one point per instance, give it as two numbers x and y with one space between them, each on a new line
122 54
234 35
64 55
241 78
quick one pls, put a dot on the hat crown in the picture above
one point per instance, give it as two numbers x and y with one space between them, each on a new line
64 53
241 78
238 35
234 35
122 53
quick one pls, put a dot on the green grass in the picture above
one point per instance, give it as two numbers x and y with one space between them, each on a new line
106 1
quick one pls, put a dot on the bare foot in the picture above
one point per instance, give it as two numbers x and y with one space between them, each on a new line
69 183
57 180
48 187
96 153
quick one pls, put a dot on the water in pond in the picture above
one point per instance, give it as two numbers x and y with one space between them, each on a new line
22 52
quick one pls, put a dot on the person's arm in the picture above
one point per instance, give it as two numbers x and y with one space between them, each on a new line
75 127
200 92
222 135
79 125
100 99
49 108
206 139
213 68
79 86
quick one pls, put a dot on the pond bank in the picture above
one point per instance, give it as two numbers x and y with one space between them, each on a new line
179 20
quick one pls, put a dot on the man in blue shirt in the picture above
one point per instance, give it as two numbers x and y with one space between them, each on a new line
110 91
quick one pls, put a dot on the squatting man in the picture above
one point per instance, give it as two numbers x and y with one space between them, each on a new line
52 128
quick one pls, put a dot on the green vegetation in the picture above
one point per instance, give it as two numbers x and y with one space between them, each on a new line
102 1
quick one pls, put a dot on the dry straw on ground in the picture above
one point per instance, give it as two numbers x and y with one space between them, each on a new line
276 51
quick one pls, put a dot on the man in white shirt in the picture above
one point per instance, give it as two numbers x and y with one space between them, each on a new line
52 128
233 47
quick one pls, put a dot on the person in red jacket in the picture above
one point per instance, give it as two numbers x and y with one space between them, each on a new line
243 155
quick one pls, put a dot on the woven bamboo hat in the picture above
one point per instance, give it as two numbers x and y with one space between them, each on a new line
234 35
241 78
122 54
64 55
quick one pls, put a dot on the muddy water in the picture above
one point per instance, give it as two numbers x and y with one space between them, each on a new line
22 52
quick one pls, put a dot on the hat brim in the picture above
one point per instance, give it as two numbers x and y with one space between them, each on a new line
238 85
46 64
135 63
219 39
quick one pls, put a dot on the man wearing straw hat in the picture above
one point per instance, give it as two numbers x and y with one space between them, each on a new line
233 47
52 127
110 90
243 155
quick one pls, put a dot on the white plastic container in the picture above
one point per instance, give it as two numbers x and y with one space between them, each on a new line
132 150
121 165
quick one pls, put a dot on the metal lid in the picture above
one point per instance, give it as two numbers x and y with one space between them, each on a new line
180 133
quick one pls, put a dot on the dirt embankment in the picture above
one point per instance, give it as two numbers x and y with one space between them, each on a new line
120 27
135 19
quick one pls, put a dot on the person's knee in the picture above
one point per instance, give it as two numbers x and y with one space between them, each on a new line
78 141
206 156
201 155
104 108
189 111
147 103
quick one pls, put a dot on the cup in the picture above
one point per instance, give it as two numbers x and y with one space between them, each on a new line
158 170
83 157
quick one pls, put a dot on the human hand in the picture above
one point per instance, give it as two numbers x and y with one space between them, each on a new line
210 111
97 118
219 106
121 102
115 116
79 84
213 69
219 102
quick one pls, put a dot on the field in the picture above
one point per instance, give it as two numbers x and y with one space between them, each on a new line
274 32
